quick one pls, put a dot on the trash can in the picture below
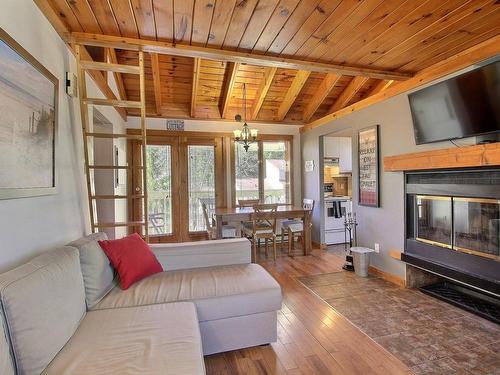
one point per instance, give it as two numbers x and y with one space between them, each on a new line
361 260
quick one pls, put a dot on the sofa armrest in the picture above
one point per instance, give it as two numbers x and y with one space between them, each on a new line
177 256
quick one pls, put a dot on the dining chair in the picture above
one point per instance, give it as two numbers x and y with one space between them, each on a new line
228 231
296 226
262 226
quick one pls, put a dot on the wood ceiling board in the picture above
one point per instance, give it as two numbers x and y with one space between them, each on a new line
322 91
362 92
351 90
380 86
294 23
334 20
230 56
144 17
125 18
105 17
279 17
454 20
317 17
202 19
422 17
118 76
164 17
344 29
382 11
477 53
85 16
220 22
468 35
292 93
258 21
239 22
183 21
63 12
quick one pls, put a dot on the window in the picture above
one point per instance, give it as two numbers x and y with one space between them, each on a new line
160 189
263 172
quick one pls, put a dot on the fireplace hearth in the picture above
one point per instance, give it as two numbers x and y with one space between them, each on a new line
453 225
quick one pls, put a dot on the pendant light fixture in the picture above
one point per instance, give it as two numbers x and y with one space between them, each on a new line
245 136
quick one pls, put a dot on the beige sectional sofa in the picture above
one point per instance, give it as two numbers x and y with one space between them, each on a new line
64 313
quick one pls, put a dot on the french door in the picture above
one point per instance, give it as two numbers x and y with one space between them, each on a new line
183 173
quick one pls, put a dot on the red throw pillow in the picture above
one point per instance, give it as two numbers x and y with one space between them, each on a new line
132 259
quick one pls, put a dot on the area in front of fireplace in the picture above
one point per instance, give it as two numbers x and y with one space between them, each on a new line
453 225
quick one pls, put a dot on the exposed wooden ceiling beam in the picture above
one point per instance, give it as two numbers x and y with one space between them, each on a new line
292 93
352 88
322 92
232 70
118 76
262 91
380 86
194 90
461 60
167 48
155 65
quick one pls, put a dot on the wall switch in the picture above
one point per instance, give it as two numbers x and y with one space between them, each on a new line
377 248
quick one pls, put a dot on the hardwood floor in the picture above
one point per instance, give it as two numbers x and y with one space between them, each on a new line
313 339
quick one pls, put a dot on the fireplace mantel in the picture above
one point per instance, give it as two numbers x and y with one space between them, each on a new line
487 155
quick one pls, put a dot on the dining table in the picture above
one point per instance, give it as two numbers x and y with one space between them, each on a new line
284 212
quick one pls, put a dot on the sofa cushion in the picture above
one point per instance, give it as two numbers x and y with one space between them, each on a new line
6 365
155 339
98 274
43 302
218 292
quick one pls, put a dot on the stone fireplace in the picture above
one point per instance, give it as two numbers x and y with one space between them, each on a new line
453 225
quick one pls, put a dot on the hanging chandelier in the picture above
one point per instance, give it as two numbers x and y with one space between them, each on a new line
245 136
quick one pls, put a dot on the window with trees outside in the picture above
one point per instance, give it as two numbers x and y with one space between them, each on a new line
263 172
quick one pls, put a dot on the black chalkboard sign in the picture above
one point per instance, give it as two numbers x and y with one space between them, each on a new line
368 163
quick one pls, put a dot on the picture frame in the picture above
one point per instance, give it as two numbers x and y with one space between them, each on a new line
28 123
368 167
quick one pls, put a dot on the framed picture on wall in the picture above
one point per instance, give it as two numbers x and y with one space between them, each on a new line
368 163
28 120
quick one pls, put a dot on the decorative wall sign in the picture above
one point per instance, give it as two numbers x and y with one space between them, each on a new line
28 119
368 155
175 125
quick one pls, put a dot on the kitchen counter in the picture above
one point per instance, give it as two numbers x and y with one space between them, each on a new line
337 198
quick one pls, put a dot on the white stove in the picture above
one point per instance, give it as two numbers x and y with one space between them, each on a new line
336 208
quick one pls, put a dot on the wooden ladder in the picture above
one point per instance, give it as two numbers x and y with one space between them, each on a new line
82 67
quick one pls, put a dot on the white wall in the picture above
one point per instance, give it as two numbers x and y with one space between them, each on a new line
31 225
228 127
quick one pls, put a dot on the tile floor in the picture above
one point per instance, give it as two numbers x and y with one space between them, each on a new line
428 335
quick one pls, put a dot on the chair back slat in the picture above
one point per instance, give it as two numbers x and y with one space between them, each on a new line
247 202
308 204
206 218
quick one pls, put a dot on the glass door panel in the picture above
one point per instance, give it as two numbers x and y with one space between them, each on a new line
276 173
246 172
159 189
477 226
434 216
201 184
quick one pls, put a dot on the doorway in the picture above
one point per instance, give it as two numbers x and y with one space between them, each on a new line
184 171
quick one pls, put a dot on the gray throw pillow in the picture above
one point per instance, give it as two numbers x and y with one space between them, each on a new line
98 274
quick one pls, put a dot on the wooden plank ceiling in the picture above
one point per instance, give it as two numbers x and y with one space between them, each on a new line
388 35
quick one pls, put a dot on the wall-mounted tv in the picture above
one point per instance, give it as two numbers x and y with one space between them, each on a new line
463 106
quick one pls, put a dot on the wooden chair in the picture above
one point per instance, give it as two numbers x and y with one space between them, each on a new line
248 202
262 226
228 231
295 226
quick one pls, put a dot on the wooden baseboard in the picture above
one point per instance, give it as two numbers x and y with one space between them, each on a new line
317 245
387 276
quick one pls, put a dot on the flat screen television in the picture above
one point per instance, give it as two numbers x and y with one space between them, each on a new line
463 106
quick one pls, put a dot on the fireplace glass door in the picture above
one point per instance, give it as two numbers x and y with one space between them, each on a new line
476 226
434 220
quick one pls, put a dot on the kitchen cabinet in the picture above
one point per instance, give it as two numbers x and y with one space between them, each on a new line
339 147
